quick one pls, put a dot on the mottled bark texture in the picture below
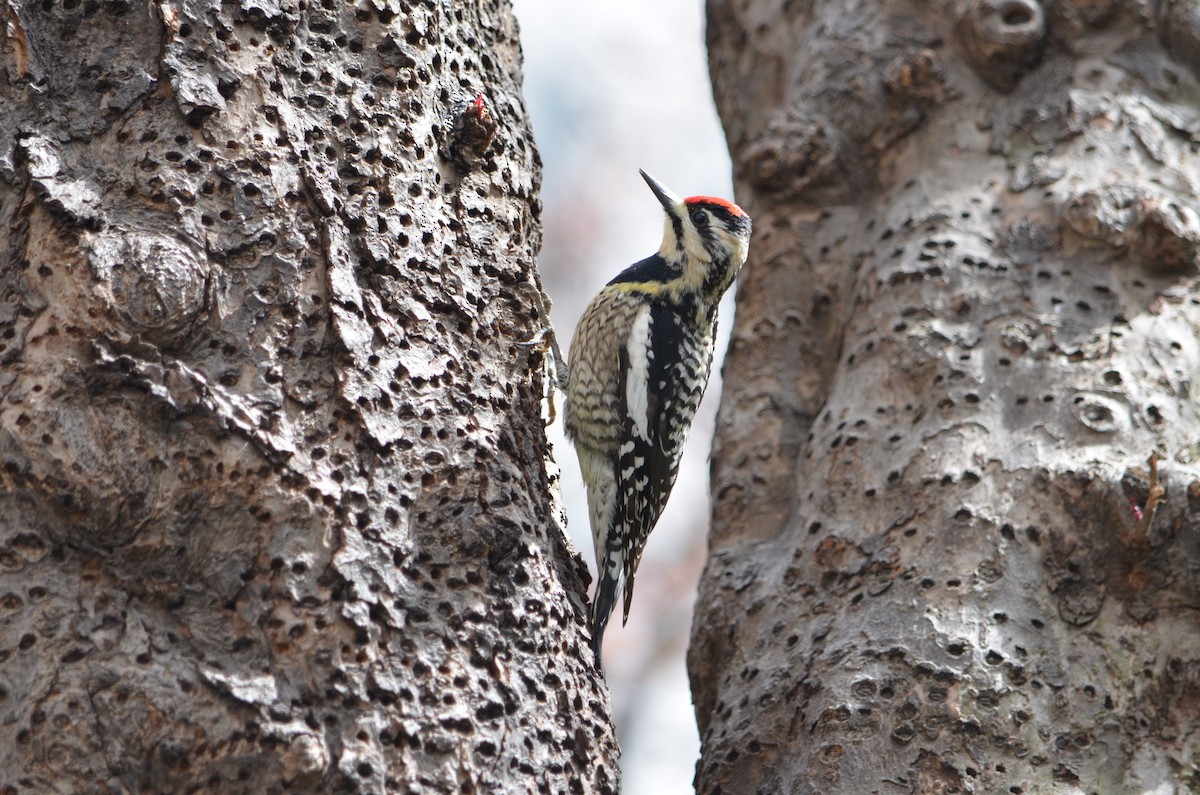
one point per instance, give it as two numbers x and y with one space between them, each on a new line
969 319
274 510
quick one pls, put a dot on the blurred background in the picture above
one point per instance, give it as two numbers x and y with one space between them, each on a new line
613 87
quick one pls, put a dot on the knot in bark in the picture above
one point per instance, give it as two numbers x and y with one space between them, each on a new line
916 76
1170 239
1003 39
157 284
1101 414
794 153
1105 213
1162 233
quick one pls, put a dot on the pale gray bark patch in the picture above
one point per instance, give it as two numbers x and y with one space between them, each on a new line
274 509
968 320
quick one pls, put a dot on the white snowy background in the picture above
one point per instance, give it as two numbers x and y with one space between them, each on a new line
613 87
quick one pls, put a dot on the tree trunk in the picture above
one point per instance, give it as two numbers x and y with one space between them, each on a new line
275 514
938 561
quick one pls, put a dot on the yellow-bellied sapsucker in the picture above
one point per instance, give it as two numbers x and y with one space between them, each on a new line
639 363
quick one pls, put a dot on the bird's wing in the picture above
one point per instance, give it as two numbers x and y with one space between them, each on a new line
649 367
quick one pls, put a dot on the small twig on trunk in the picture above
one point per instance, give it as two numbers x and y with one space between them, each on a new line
1154 497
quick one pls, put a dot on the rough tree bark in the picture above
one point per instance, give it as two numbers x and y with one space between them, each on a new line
274 513
969 320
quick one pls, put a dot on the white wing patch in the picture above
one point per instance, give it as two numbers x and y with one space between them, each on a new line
637 380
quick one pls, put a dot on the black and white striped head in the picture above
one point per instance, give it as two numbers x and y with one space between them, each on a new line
707 238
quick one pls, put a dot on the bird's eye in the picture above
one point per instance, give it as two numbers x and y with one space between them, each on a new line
699 218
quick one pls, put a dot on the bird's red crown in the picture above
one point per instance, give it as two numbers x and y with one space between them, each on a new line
728 205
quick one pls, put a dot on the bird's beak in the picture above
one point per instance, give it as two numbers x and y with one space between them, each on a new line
666 198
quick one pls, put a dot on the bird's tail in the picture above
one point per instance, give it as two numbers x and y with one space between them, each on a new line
609 575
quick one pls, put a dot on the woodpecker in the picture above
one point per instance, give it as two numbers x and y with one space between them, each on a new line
639 363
